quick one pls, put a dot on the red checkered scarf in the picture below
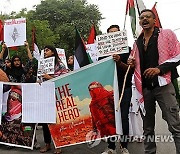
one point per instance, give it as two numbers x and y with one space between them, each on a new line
169 51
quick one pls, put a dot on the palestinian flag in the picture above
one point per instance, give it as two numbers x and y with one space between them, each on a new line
80 56
130 7
139 6
92 35
1 31
158 23
91 46
12 51
134 7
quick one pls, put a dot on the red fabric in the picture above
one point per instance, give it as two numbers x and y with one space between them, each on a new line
102 109
14 48
1 31
92 35
158 23
129 5
14 103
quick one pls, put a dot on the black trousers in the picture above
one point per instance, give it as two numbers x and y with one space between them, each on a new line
125 104
46 134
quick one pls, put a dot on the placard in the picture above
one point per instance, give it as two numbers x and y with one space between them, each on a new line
112 43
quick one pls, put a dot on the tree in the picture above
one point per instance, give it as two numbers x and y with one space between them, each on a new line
64 15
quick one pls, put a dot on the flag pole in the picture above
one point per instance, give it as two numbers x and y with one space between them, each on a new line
125 21
127 6
8 53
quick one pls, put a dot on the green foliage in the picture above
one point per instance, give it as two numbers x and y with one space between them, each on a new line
64 15
44 35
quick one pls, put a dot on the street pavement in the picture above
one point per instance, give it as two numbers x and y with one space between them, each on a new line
134 148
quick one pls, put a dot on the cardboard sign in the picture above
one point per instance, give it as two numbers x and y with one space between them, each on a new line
15 32
62 56
46 66
112 43
92 50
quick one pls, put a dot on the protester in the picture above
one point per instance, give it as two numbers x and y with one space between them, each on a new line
60 69
154 58
17 73
71 62
8 63
30 77
125 103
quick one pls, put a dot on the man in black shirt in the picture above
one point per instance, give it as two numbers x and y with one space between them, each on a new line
125 103
154 58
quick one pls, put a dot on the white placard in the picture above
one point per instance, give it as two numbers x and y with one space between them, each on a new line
39 103
92 50
15 32
46 66
62 56
112 43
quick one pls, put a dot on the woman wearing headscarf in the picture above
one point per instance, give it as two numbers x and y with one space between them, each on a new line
17 73
59 69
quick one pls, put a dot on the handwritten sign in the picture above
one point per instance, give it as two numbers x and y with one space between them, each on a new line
46 66
62 56
15 32
112 43
92 50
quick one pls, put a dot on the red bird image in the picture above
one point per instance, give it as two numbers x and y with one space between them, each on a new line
102 109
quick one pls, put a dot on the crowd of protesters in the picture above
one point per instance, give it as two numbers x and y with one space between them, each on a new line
155 53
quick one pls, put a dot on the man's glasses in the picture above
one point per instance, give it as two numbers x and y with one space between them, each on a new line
145 16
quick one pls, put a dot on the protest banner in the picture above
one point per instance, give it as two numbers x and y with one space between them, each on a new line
15 32
112 43
12 131
92 50
85 102
46 66
62 56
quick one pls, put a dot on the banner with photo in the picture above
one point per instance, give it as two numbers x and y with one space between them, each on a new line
12 131
85 101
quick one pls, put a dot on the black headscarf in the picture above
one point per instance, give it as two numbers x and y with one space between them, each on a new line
16 72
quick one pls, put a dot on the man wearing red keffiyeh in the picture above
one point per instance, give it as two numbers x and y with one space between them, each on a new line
154 58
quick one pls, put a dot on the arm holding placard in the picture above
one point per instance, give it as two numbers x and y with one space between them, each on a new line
28 50
3 50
